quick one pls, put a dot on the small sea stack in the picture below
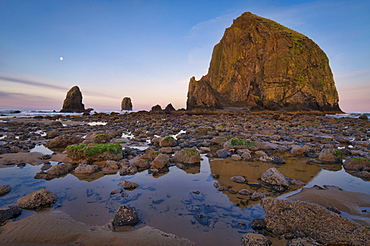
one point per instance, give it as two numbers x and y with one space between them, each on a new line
126 104
73 101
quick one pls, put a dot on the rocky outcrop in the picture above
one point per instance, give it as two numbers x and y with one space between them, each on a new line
126 104
4 189
283 217
263 65
73 101
169 108
9 213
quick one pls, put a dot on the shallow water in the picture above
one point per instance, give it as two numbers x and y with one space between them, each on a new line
182 202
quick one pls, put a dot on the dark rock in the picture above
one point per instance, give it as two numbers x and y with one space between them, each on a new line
156 108
128 185
4 189
9 213
116 191
73 101
125 216
257 195
258 224
126 104
112 165
37 199
363 117
252 239
169 108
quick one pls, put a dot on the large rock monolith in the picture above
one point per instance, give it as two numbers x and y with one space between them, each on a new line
73 101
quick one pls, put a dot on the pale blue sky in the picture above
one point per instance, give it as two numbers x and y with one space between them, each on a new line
148 50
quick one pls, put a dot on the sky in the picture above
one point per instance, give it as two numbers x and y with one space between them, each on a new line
148 50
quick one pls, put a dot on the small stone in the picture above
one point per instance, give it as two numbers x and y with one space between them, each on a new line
257 195
4 189
244 192
252 239
125 216
86 169
258 224
238 179
116 191
9 213
274 177
128 185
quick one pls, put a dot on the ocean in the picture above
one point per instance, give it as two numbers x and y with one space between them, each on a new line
5 113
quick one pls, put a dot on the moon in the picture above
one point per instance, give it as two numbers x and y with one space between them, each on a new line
61 58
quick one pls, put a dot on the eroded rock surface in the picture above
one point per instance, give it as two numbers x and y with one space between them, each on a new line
261 64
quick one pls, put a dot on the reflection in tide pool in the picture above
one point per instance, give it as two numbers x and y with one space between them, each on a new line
182 202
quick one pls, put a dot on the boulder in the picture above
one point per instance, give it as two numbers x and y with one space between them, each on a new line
73 101
327 156
126 104
128 185
9 213
273 177
63 141
253 239
128 169
37 199
5 189
86 169
314 221
125 216
187 156
55 171
168 141
258 224
95 151
112 165
259 63
223 153
160 161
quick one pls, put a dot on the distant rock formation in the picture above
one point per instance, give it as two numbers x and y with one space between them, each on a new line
73 101
156 108
126 104
261 64
169 108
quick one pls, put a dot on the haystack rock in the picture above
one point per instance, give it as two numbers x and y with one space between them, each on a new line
126 104
73 101
261 64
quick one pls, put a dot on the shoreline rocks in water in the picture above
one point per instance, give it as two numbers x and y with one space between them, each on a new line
312 220
37 199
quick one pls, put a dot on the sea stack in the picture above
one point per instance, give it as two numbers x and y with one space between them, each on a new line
260 64
126 104
73 101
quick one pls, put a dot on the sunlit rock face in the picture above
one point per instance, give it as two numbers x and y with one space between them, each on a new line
73 101
263 65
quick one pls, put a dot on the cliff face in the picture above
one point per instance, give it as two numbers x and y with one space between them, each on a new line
262 64
73 101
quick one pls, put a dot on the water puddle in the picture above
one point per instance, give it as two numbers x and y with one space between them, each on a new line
41 149
184 202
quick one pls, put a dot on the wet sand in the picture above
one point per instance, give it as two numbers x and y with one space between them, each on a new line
56 227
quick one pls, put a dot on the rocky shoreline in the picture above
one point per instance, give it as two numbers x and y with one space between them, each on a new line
155 141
